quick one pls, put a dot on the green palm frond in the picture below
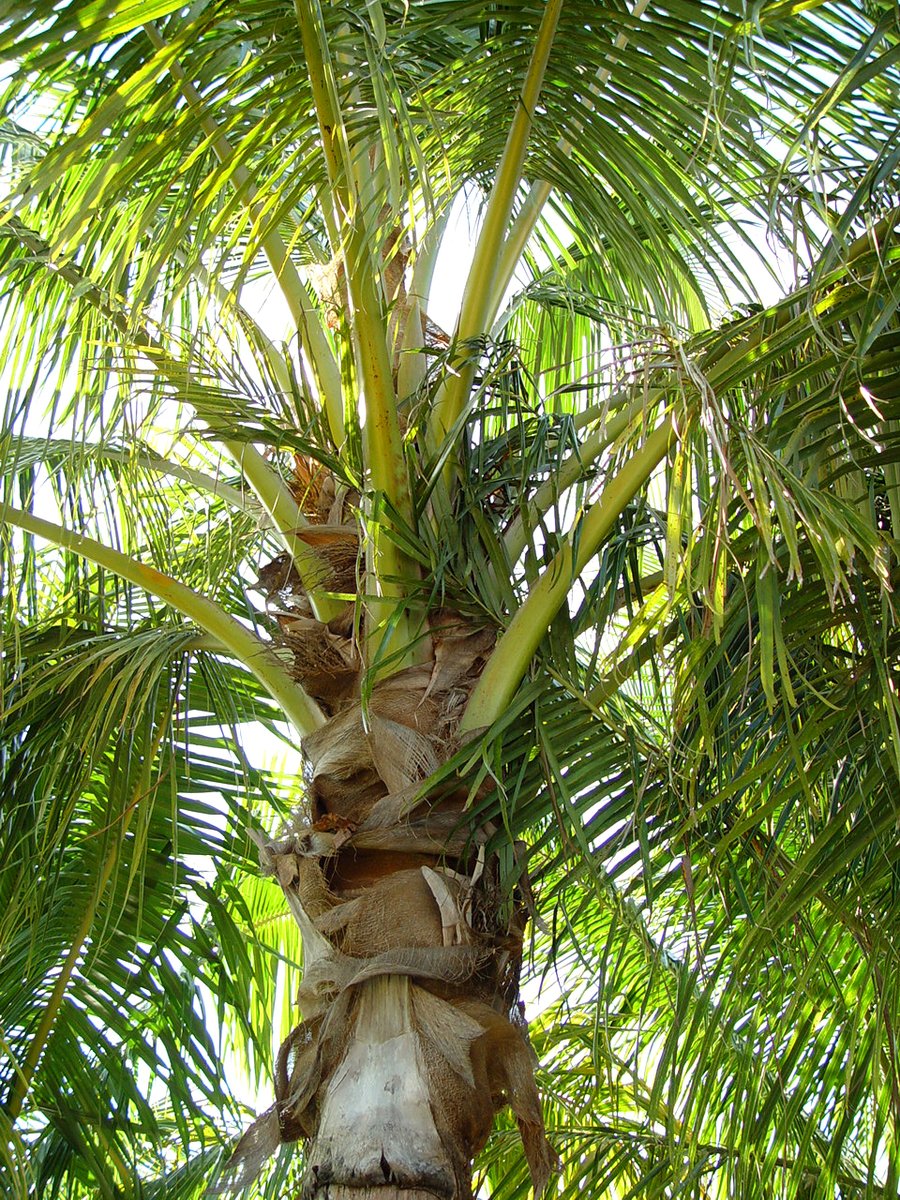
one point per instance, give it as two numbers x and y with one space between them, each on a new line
125 834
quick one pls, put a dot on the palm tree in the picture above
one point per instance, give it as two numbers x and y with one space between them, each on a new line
581 608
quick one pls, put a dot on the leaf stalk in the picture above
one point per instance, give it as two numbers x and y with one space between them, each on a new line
517 645
259 658
474 317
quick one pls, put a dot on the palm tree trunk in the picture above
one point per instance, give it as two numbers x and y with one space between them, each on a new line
412 1036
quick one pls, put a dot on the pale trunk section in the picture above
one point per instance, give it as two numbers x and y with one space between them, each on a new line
376 1116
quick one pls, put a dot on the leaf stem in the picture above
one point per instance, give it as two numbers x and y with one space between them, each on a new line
474 317
516 648
259 658
146 460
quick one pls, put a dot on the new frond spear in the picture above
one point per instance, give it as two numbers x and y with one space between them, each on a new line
392 628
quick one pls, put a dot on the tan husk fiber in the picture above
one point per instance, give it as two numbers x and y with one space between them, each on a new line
412 1036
